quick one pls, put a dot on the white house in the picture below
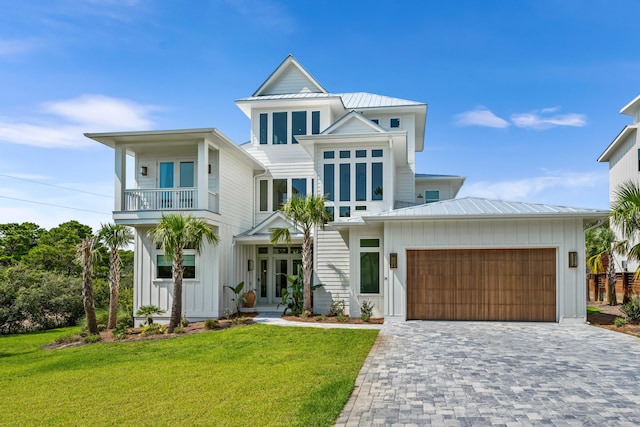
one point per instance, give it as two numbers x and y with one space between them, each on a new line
623 156
397 238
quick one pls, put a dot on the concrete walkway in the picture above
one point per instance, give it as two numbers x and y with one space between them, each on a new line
497 374
276 319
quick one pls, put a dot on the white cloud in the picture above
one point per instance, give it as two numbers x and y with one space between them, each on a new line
65 121
528 188
480 116
540 120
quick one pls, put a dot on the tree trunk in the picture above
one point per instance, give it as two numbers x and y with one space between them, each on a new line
87 288
176 306
611 279
307 266
114 284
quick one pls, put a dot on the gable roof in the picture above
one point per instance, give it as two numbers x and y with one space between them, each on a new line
362 125
260 233
631 107
625 133
289 77
480 208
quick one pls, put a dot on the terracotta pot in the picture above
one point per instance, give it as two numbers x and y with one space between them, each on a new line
250 298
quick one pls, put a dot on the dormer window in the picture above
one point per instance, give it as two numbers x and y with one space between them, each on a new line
395 123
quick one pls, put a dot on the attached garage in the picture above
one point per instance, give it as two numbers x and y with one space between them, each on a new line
482 284
480 259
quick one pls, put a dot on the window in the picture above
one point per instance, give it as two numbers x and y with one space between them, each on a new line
315 122
345 211
395 123
431 196
345 182
187 175
298 125
638 160
361 153
361 208
164 267
329 170
279 193
330 212
376 153
264 195
370 272
376 181
299 187
361 182
166 175
376 121
264 118
329 155
279 128
369 243
345 154
263 250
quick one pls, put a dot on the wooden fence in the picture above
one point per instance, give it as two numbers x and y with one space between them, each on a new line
598 287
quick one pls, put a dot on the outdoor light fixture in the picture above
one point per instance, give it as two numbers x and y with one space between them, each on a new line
250 265
573 259
419 196
143 170
209 169
393 260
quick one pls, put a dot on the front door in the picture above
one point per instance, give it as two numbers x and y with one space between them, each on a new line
275 264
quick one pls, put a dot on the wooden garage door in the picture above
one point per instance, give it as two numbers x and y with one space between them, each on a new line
471 284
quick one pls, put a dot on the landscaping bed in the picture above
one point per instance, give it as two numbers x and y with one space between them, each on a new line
319 318
607 316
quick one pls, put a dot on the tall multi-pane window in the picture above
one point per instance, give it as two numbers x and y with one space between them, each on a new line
264 119
264 195
329 171
361 182
370 266
279 128
298 125
315 122
279 193
187 175
376 181
345 182
299 187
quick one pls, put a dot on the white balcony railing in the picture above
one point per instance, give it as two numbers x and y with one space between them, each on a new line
167 199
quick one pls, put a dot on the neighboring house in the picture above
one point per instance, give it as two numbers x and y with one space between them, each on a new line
623 156
396 237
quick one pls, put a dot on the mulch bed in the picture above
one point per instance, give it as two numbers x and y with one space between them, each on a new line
318 318
608 316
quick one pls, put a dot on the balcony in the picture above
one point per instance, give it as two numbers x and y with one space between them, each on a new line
159 199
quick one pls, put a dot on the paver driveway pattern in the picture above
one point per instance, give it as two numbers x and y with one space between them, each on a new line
497 374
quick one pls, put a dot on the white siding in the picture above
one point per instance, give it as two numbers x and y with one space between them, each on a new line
292 80
236 191
444 187
353 126
405 184
331 266
564 235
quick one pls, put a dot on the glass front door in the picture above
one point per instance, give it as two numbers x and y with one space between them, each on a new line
275 264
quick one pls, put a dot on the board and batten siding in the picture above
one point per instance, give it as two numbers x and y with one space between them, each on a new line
562 234
331 267
405 184
236 191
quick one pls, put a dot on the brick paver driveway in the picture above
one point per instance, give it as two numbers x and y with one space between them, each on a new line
507 374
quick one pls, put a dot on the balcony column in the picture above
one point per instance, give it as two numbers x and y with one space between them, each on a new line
203 175
120 177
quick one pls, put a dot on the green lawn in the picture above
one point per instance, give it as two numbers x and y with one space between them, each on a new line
593 310
255 375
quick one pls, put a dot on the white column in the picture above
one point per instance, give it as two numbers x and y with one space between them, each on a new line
120 177
203 175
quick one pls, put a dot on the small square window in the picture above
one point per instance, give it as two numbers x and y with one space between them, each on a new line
329 155
376 153
280 250
263 250
330 214
369 243
431 196
361 208
345 154
395 123
361 153
376 121
345 211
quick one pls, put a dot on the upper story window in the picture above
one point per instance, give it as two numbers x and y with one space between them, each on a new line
638 160
376 121
176 174
279 191
394 123
431 196
282 127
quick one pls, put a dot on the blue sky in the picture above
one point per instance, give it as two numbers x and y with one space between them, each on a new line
523 95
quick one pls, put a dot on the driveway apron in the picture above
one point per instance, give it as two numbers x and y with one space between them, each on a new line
497 374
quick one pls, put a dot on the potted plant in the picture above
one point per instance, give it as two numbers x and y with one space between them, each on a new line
248 299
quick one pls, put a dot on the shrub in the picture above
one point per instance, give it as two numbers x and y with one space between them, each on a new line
620 322
336 308
179 329
632 308
149 311
93 338
120 331
184 321
67 339
341 318
211 324
305 314
366 310
239 320
153 329
320 318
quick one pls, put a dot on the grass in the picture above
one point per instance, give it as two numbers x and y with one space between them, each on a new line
255 375
593 310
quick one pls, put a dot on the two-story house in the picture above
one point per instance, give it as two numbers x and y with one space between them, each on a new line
397 238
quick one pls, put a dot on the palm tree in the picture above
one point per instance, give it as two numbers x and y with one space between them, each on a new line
625 215
601 243
115 237
305 212
86 256
174 233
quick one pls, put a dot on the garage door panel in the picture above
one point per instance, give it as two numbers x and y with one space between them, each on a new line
498 284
